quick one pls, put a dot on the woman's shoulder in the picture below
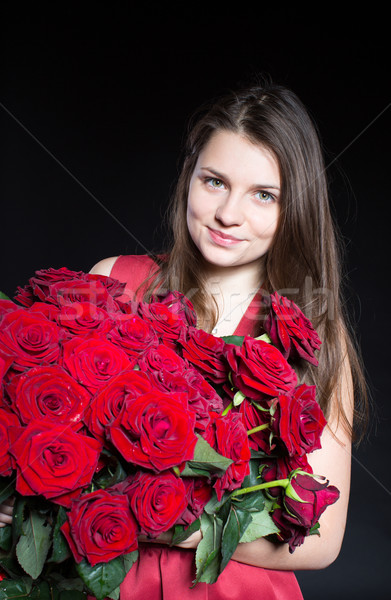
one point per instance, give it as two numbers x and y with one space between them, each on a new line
104 266
135 270
127 265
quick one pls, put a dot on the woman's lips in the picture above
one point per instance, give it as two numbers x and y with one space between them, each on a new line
222 239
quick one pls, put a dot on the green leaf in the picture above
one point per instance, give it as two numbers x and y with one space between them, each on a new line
261 525
114 594
15 588
72 595
207 459
129 560
7 487
4 296
252 502
6 537
253 477
18 517
33 545
60 546
181 532
65 584
42 591
191 471
11 566
214 505
209 569
235 526
208 553
237 340
111 475
103 578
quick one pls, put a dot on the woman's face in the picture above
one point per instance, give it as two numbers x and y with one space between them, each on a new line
233 202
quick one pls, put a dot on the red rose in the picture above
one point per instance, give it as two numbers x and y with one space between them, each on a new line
49 310
100 527
93 361
53 461
170 381
5 364
134 336
200 385
114 287
48 392
106 405
8 420
199 492
29 338
7 306
304 500
157 501
290 330
295 518
25 296
80 290
298 420
44 277
82 318
38 286
155 431
228 436
161 357
179 305
259 370
165 322
280 467
314 499
201 398
206 353
257 415
290 533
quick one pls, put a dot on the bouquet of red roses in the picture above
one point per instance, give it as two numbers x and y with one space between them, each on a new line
122 418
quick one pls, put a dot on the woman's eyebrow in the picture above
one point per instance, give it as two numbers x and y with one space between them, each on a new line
226 178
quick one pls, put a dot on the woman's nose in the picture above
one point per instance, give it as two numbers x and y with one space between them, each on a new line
230 211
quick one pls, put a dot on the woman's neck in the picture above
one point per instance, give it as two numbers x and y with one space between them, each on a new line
232 288
245 279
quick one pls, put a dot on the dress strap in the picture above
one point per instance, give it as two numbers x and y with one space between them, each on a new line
249 323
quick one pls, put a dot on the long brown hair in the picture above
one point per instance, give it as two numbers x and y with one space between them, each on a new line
304 260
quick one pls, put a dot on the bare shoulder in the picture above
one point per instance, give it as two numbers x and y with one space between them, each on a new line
104 266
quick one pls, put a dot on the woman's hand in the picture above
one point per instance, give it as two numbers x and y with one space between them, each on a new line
190 543
6 510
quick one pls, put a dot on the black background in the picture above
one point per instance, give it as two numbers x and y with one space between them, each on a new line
92 117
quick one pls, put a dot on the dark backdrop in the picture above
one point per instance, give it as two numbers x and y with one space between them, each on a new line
92 116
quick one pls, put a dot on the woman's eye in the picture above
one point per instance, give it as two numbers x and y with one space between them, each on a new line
214 182
265 197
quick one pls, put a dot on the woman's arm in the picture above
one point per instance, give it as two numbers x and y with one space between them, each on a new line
333 461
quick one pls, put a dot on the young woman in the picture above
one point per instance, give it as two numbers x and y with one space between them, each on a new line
250 213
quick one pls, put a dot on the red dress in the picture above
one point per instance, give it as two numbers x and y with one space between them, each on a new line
164 573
